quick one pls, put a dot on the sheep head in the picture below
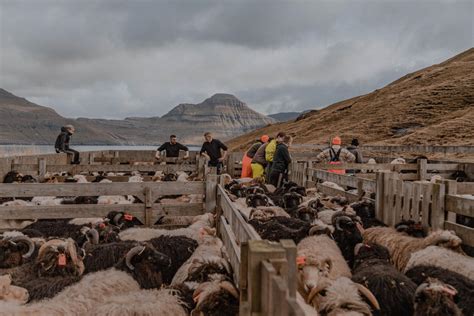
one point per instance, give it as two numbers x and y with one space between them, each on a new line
12 177
367 252
121 220
262 214
13 250
411 228
343 297
311 272
216 297
254 190
257 199
59 257
445 239
292 200
436 298
298 189
170 177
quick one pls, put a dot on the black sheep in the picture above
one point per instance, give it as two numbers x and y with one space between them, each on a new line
178 248
292 200
122 220
366 211
281 227
47 287
12 177
434 298
104 256
463 285
411 228
346 234
254 200
393 290
14 251
203 272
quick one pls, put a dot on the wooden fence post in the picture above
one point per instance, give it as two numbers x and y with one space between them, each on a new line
290 248
41 169
438 206
379 194
211 192
422 169
148 205
451 188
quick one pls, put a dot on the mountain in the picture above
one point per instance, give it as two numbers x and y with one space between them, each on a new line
432 106
23 122
285 116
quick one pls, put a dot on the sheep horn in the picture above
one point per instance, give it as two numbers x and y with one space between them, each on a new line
226 285
366 292
28 242
339 219
94 235
315 229
116 219
132 253
401 228
357 248
315 291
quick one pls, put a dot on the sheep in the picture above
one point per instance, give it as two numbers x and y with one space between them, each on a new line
319 258
122 220
202 225
434 298
394 291
281 227
216 298
344 297
115 199
47 287
442 258
12 293
410 228
292 200
366 212
135 179
14 250
267 212
46 200
398 161
182 176
326 216
12 177
80 178
210 250
94 289
401 247
332 185
347 234
463 285
257 199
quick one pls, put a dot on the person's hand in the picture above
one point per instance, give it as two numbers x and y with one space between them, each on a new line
220 159
186 157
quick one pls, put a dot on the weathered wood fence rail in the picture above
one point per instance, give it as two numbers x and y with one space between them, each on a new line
265 272
146 211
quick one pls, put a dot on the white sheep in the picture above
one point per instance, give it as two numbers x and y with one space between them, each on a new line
201 226
135 179
46 200
182 176
318 258
80 178
435 178
442 258
398 161
11 293
332 185
211 249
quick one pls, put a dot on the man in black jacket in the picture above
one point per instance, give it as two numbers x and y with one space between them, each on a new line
211 149
281 160
172 149
62 143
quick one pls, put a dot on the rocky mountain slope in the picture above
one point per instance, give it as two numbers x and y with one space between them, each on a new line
432 106
23 122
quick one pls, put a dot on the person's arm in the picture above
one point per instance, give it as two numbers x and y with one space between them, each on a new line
158 151
347 156
322 156
224 148
203 153
62 143
186 151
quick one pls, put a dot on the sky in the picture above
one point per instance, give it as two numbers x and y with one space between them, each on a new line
135 58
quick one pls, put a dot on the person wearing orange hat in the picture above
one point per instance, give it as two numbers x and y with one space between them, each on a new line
248 156
335 155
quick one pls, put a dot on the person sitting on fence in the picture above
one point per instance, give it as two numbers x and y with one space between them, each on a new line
172 149
270 152
281 161
336 155
62 143
211 149
354 149
248 156
258 162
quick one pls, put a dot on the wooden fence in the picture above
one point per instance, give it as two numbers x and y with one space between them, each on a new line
265 272
147 211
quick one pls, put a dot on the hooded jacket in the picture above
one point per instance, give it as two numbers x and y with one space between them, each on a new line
62 141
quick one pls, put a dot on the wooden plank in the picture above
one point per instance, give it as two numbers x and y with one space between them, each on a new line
422 169
367 185
407 200
211 192
97 189
438 206
415 207
290 249
233 250
443 166
41 168
335 192
464 232
279 296
268 303
77 169
465 188
460 205
365 166
398 200
388 209
427 191
451 189
379 207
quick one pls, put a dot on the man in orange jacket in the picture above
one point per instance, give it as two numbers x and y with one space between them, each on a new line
335 155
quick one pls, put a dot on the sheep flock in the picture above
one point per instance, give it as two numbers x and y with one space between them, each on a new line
113 265
350 263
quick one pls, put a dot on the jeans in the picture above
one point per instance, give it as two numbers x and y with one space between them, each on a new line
75 153
217 165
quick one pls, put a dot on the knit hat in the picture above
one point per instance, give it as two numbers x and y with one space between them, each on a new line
336 140
355 142
264 138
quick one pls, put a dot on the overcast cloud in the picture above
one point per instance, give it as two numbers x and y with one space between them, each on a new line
113 59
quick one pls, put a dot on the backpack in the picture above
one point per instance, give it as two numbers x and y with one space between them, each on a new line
334 155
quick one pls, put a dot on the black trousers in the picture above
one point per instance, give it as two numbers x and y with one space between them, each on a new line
75 153
217 165
275 176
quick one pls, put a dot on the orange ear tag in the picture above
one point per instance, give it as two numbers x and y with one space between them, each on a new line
300 261
127 217
101 225
61 260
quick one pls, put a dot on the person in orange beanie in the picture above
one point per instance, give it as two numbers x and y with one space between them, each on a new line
335 155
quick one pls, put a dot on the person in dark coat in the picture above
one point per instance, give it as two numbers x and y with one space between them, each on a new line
354 149
211 149
62 143
172 149
281 161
